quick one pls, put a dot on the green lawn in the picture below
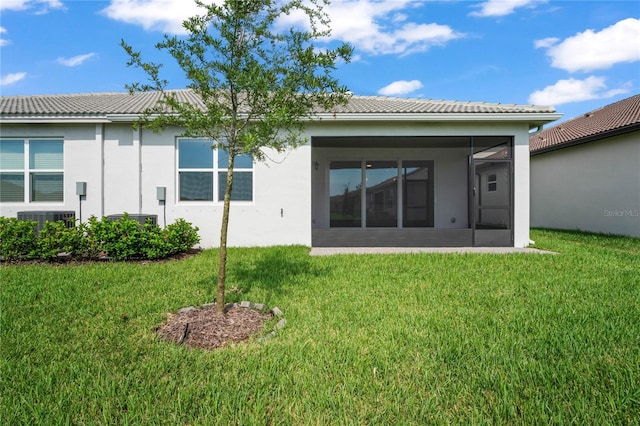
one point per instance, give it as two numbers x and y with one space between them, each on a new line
379 339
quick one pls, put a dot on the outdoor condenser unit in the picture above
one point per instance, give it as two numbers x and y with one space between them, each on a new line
68 217
141 218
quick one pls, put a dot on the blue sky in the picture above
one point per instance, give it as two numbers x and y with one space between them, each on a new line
574 55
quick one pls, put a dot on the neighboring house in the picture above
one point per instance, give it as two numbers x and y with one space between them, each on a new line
376 172
585 172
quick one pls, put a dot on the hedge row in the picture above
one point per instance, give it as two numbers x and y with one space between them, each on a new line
122 239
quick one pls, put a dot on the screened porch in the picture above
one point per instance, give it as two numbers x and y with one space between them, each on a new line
412 191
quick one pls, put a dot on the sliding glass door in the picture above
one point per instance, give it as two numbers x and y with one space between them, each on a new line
396 193
345 201
381 179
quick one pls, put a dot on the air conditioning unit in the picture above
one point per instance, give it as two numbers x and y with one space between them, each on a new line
141 218
68 217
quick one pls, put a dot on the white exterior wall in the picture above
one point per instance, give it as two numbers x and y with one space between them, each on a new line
82 163
590 187
521 187
280 212
122 168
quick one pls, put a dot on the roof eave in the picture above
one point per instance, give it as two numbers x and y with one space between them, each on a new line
54 119
534 119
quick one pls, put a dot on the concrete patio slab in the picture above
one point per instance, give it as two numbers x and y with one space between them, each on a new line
329 251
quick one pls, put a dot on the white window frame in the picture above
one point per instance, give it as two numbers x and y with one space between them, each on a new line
27 171
492 182
215 171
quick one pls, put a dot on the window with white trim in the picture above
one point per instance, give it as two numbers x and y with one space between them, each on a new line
31 170
492 182
202 172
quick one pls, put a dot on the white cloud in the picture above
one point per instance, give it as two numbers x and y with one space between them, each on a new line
3 41
12 78
573 90
380 27
374 27
76 60
401 87
592 50
501 7
545 42
18 5
162 15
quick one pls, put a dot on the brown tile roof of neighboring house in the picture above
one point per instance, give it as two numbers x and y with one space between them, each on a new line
94 105
614 119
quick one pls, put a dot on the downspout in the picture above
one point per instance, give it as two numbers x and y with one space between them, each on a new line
100 129
137 137
538 129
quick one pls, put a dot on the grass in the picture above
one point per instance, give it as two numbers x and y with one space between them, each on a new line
377 339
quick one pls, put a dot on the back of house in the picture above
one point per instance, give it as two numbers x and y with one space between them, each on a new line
375 172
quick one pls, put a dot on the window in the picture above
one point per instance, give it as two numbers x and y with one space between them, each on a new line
384 182
31 170
345 181
199 165
492 182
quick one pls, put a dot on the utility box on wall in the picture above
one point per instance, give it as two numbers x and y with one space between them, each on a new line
81 188
161 193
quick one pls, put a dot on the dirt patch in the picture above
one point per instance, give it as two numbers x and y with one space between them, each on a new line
204 328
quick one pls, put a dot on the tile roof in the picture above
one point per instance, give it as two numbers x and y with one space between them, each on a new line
104 104
85 104
617 118
378 104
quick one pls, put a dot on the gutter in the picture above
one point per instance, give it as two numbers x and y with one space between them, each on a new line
441 117
535 120
54 120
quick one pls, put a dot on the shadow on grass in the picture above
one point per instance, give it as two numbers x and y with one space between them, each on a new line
270 270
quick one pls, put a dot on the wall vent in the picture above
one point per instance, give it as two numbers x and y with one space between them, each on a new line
68 217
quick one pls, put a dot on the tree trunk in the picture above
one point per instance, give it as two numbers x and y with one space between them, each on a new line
222 264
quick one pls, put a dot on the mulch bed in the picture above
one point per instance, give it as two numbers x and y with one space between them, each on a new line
63 260
204 328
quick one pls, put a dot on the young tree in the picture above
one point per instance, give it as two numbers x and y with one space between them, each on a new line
257 82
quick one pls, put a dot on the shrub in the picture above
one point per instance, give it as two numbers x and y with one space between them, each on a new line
124 239
121 239
182 235
56 237
154 244
18 238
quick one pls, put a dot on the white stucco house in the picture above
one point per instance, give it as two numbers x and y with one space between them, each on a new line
585 172
376 172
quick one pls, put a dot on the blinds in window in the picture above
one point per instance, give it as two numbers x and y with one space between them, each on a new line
47 187
242 186
11 187
45 155
11 155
